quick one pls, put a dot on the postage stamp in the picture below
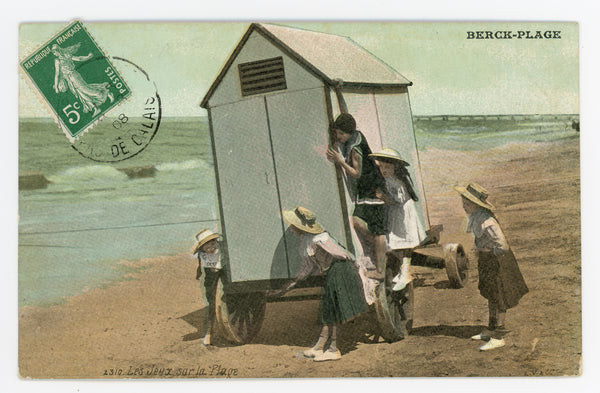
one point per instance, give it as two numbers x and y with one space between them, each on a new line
322 200
76 79
129 129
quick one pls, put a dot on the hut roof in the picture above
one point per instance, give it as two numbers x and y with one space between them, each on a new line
328 56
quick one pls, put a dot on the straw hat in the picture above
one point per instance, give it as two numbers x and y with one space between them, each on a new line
303 219
476 194
389 155
203 237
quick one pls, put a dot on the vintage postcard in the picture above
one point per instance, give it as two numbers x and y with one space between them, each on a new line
299 200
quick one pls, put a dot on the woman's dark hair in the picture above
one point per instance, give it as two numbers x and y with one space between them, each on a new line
345 123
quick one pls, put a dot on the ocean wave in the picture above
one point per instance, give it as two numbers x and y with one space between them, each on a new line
182 165
89 173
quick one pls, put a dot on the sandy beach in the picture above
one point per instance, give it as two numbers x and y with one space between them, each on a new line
148 326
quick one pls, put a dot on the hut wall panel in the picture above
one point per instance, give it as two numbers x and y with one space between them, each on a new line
247 188
299 131
258 48
395 121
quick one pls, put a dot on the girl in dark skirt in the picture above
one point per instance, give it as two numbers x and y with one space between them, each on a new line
500 280
342 295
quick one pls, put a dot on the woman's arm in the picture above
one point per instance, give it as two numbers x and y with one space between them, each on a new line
82 58
353 169
496 241
305 271
337 87
385 197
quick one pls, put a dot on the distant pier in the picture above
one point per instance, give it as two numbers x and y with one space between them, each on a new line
518 117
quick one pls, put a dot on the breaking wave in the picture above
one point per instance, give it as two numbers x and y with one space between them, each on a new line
182 165
89 173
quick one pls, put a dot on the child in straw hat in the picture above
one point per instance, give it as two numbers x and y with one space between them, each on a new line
209 261
500 280
364 180
404 230
342 296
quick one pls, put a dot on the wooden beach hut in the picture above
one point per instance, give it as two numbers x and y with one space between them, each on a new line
270 108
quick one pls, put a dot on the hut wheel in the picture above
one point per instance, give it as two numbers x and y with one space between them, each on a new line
456 263
394 310
239 315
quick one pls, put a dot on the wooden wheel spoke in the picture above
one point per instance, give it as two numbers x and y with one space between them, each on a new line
241 315
234 317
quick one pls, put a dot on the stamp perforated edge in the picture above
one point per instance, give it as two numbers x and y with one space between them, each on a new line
42 99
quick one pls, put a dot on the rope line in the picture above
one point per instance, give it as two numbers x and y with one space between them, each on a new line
112 228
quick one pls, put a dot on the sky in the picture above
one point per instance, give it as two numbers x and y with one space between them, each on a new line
451 74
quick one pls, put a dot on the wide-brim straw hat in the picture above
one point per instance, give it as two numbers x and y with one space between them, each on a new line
303 219
476 194
203 237
389 155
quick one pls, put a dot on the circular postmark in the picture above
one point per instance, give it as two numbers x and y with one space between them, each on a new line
129 127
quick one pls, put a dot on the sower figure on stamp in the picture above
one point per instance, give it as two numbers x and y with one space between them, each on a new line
500 280
365 179
403 230
91 95
209 262
342 295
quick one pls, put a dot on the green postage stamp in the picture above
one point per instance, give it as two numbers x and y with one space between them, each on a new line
76 79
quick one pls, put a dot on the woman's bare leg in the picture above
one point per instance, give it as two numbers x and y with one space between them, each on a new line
333 342
379 247
360 227
493 315
332 353
320 344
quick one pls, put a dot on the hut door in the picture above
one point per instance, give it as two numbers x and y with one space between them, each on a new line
247 189
298 124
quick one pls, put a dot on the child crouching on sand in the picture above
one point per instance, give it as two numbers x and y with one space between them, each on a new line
209 262
500 280
342 295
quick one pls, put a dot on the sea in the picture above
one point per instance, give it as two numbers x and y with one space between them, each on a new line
75 233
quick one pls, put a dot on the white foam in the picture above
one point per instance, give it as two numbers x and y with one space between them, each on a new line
182 165
88 173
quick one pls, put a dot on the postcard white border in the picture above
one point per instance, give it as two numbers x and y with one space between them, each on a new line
584 12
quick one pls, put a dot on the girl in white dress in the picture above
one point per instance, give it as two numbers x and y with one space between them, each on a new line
404 231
